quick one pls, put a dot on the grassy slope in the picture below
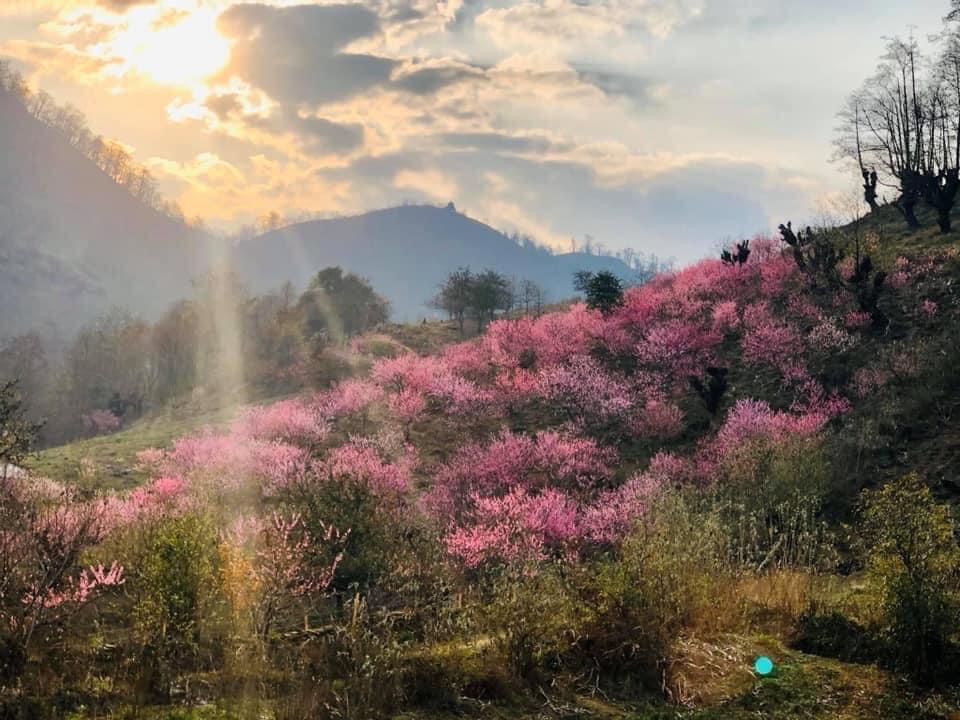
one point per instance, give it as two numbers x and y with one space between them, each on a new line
935 451
802 686
108 462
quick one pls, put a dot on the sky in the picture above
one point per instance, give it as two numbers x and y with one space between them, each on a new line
668 126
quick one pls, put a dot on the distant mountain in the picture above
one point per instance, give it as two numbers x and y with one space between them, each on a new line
75 241
406 252
72 241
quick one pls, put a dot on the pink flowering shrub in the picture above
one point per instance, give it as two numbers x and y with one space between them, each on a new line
100 422
77 590
521 499
407 405
615 512
458 396
156 499
517 527
549 339
754 418
778 275
899 279
856 320
928 308
279 562
682 347
42 579
290 420
800 306
725 316
407 372
768 340
547 459
348 397
584 392
362 461
659 419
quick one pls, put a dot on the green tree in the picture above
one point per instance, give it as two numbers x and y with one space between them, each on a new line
914 560
603 290
17 433
454 296
489 293
338 305
174 581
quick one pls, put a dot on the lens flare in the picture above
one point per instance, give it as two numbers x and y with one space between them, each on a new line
763 665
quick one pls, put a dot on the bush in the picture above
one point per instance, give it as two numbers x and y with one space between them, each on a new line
355 508
534 618
176 590
914 561
666 578
770 499
832 634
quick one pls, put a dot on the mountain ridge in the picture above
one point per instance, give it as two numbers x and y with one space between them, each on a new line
74 239
406 251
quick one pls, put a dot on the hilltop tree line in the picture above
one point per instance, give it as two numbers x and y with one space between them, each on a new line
479 297
109 156
120 366
901 128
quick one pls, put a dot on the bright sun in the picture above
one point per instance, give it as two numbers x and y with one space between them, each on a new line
182 51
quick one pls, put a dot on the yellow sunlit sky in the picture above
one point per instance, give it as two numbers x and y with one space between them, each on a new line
665 125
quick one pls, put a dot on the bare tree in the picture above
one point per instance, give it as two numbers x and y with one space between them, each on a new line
531 296
902 128
884 126
940 178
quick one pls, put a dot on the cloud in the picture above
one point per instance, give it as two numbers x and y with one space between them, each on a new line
296 54
634 87
432 185
496 142
325 136
569 25
54 59
427 79
679 206
553 117
124 4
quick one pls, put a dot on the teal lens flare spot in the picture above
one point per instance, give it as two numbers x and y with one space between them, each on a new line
763 665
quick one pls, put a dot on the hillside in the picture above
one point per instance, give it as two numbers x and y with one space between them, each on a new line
74 243
406 252
584 513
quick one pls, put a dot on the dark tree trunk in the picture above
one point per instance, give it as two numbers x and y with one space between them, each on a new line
940 193
908 208
870 188
943 219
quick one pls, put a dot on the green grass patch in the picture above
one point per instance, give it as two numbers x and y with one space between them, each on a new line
108 462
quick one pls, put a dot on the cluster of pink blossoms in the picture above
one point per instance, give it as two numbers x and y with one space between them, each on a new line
82 588
100 422
522 498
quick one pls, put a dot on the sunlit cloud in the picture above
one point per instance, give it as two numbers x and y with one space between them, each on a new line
181 49
431 183
552 117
